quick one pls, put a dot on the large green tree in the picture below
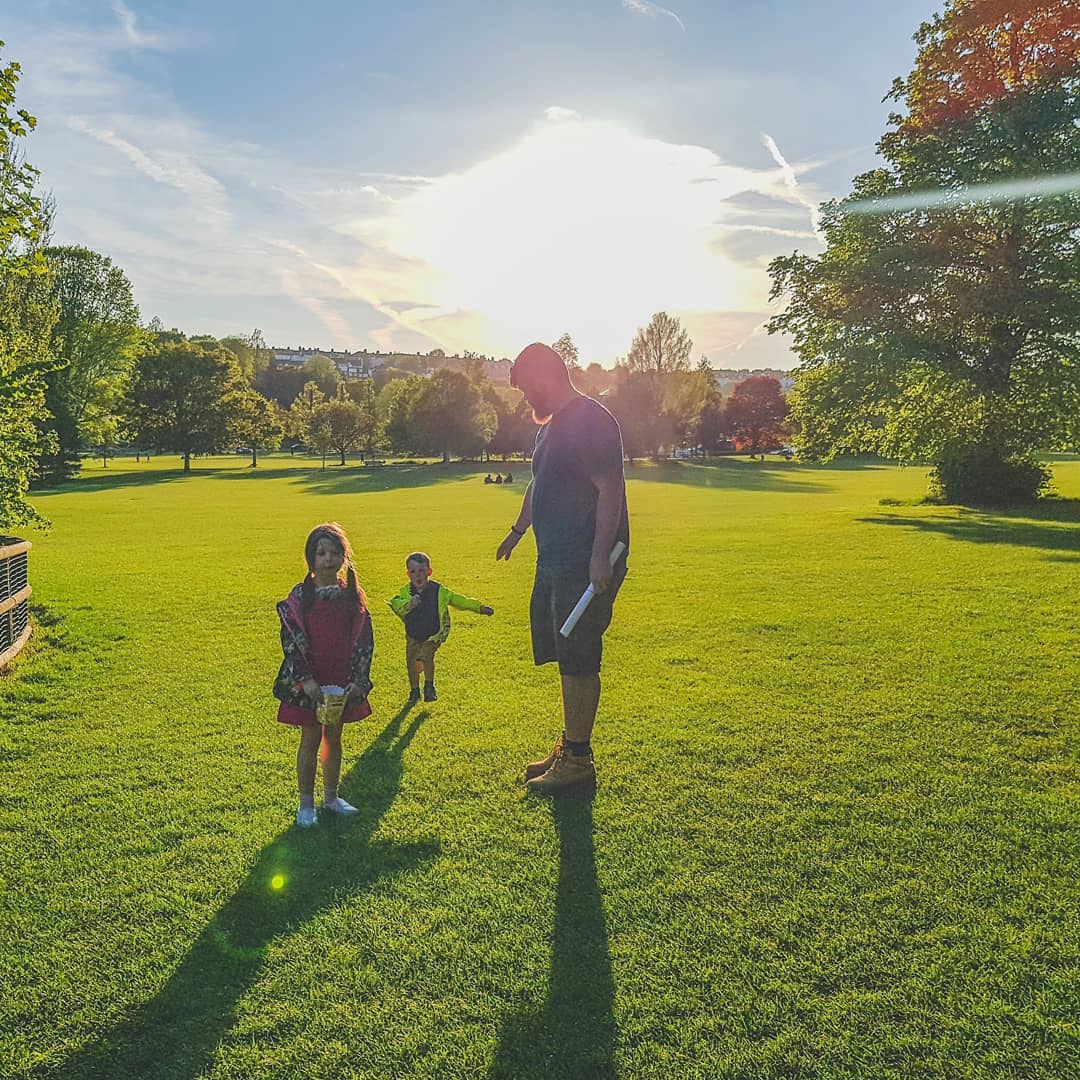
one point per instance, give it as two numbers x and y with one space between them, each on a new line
259 423
341 425
96 339
450 415
27 314
941 322
186 397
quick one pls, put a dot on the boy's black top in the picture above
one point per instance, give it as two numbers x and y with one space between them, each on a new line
423 621
580 439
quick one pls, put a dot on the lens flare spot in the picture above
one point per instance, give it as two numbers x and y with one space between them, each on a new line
277 882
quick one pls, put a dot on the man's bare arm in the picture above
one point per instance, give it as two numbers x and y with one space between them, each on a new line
519 528
609 503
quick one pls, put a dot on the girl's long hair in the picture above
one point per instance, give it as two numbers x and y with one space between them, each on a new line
332 531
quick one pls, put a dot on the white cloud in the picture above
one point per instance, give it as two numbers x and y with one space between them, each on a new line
170 167
574 225
645 7
135 37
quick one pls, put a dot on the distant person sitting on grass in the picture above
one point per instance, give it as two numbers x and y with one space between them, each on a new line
424 606
488 480
509 478
498 478
327 639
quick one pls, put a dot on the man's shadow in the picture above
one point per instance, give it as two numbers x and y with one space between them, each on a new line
295 877
573 1035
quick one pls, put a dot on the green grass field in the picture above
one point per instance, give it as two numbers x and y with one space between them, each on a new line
836 832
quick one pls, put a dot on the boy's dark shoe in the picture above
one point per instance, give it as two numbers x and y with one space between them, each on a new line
538 768
414 696
570 774
429 692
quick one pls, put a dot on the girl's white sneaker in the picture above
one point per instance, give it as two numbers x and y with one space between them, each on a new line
339 806
306 817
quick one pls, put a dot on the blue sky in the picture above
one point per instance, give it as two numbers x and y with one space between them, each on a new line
456 174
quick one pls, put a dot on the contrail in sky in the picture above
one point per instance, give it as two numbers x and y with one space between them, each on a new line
645 7
1031 187
791 182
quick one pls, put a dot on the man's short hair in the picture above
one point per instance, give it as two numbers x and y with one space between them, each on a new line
541 359
418 557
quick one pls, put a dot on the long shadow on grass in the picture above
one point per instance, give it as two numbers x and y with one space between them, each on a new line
1051 526
295 877
338 480
573 1035
120 478
731 474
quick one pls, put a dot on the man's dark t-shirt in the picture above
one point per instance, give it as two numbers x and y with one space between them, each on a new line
581 438
423 621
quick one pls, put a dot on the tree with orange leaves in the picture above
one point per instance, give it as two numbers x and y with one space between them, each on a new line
940 324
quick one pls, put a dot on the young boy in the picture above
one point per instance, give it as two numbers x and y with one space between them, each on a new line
424 606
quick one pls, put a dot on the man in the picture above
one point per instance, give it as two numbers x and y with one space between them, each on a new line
576 505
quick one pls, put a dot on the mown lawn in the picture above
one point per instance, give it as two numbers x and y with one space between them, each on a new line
836 832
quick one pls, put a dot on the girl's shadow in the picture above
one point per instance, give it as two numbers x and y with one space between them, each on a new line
299 874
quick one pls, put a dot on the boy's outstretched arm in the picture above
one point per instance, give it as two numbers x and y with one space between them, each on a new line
519 528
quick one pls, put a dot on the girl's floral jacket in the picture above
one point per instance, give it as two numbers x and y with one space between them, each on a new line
296 667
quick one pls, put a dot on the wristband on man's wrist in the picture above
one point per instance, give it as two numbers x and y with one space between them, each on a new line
516 531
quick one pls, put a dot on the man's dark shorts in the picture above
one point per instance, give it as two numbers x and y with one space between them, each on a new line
555 592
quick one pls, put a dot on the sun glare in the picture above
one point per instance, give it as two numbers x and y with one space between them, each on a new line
579 225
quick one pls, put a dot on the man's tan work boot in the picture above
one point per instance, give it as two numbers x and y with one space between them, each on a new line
569 774
538 768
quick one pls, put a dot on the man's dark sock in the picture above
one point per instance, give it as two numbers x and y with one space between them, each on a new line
578 749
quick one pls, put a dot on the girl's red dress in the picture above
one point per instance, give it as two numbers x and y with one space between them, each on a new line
329 625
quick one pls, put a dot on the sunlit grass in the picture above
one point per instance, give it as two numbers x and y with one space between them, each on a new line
835 833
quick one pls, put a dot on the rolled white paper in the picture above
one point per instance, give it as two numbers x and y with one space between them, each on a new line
567 627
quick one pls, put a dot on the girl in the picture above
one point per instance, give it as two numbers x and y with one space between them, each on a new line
327 640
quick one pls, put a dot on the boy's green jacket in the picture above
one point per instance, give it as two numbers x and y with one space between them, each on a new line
446 599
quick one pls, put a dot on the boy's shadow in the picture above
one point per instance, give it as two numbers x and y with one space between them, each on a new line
298 875
573 1035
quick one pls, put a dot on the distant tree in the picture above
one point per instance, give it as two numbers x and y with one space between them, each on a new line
96 339
633 403
280 384
341 425
594 380
388 373
362 392
566 348
661 347
450 415
322 370
319 435
187 398
395 405
27 315
945 329
260 424
756 413
302 409
251 352
515 431
656 397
